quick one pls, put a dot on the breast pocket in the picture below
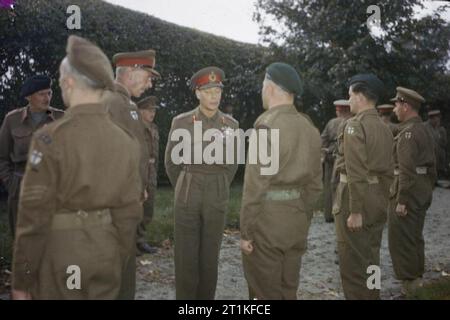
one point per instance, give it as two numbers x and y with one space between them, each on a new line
22 139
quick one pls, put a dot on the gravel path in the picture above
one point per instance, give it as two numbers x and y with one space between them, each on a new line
319 277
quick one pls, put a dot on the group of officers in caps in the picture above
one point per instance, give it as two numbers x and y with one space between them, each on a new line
82 183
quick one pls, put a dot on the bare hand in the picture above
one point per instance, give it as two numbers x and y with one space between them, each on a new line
354 222
20 295
401 210
247 246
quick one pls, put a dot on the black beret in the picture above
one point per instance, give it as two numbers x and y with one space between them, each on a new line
286 77
371 80
34 84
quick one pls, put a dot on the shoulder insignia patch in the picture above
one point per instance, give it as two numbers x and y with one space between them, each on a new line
35 158
350 130
408 135
134 115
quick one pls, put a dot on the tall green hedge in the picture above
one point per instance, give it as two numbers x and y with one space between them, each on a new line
33 40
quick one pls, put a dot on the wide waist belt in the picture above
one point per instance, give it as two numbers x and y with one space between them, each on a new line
283 195
207 169
370 179
79 219
419 170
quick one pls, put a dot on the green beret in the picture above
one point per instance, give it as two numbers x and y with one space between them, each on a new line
286 77
371 80
90 61
35 84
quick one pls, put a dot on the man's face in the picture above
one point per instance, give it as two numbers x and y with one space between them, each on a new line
209 98
40 100
265 94
140 81
400 110
354 100
435 121
148 115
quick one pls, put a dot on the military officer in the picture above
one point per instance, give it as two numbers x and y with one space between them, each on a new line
439 135
385 111
135 72
329 145
277 209
411 193
78 210
201 190
15 136
147 108
361 201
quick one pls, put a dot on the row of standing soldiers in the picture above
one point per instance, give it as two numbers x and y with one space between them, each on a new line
417 148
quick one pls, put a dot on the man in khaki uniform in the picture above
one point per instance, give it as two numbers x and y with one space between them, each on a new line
362 195
78 210
385 111
15 136
439 135
134 74
277 208
201 188
411 193
147 108
329 146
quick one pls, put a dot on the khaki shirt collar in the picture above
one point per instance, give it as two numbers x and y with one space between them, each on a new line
200 116
25 113
89 108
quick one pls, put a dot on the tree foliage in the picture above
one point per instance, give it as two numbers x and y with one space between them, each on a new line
329 41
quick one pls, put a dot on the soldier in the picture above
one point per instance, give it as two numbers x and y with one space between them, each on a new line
411 193
15 136
277 209
135 72
147 108
201 191
439 135
385 111
361 202
78 210
329 146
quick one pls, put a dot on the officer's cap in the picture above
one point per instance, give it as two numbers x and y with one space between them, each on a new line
385 108
208 77
145 59
149 103
409 96
342 104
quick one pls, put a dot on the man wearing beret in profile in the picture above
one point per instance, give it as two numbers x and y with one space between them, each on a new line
15 136
362 196
78 210
277 208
